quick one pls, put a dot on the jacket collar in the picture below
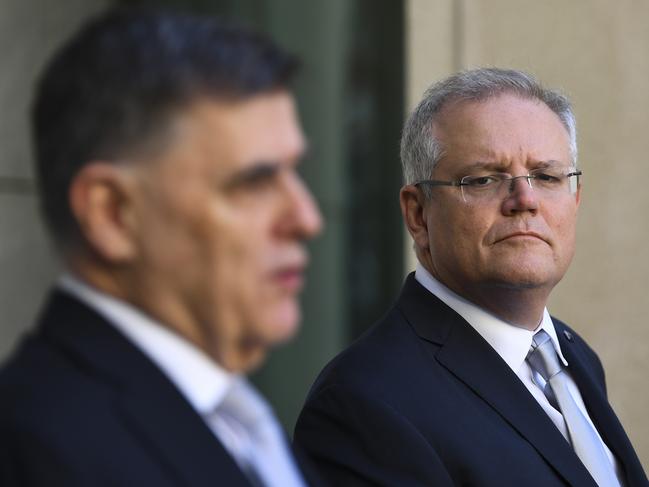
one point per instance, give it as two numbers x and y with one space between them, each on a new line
148 404
489 377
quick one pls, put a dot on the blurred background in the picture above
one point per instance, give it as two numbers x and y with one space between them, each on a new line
366 63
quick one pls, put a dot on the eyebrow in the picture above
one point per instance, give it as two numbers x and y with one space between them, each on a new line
261 170
257 172
498 165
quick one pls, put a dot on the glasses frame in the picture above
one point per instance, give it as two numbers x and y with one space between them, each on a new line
459 183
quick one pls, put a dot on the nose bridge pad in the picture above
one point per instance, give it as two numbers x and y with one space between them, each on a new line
528 179
512 182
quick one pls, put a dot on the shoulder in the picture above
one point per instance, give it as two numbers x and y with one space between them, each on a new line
567 334
42 389
377 360
360 421
50 412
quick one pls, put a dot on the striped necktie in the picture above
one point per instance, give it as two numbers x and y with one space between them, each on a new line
544 360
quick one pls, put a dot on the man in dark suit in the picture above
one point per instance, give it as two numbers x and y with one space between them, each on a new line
167 148
468 380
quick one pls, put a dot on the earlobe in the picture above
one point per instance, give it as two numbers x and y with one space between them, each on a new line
412 208
100 200
578 195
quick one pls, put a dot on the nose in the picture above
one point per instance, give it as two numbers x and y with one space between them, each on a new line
513 181
521 197
302 219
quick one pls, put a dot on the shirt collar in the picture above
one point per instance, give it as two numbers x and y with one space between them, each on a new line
511 342
200 380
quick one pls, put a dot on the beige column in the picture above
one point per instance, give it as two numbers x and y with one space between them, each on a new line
597 52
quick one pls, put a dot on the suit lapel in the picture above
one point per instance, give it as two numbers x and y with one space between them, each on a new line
472 360
146 401
181 440
599 409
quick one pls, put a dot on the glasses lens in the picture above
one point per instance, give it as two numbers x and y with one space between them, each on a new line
556 180
546 182
482 187
549 180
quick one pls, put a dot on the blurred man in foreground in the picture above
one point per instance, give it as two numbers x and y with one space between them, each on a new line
167 148
468 380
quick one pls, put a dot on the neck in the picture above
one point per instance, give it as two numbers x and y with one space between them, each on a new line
520 306
224 344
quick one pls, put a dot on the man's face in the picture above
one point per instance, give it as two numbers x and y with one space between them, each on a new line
221 220
523 240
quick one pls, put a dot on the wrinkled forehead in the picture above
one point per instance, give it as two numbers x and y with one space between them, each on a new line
503 128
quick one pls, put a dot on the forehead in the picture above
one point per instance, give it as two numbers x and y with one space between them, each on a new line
505 128
234 134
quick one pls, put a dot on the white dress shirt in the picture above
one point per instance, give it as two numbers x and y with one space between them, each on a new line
512 343
203 383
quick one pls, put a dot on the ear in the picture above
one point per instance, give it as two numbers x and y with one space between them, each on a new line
412 208
100 199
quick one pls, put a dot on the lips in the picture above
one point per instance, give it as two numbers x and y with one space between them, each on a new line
291 279
521 235
289 275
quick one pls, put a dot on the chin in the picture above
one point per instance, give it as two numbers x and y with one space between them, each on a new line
524 280
283 323
520 285
525 271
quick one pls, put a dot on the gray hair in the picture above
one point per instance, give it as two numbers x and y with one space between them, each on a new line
420 152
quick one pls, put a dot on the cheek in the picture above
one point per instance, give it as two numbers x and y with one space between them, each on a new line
464 234
566 238
238 248
563 226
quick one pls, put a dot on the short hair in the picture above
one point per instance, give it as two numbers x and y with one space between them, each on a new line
115 87
420 151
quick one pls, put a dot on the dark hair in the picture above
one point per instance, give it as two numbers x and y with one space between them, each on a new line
117 84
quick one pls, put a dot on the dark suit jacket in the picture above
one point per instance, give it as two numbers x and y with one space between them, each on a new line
423 400
81 406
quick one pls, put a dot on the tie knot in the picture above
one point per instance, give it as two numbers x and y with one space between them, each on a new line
245 406
539 338
543 357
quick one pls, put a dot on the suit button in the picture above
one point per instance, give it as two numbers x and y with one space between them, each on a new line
568 335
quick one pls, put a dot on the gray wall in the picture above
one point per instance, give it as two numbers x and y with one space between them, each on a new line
29 30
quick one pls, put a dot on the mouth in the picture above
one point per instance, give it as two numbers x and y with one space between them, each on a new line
290 279
522 236
289 276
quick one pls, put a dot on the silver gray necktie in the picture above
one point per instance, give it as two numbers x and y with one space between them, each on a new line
268 460
544 360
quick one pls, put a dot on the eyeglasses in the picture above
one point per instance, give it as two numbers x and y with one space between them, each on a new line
546 182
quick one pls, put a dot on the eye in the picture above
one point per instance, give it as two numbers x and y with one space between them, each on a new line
546 177
255 178
260 179
480 181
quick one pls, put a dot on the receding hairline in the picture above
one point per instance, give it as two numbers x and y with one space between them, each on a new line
440 111
161 138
